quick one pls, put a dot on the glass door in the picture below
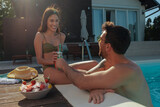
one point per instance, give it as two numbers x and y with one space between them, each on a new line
110 15
121 18
128 19
97 20
132 25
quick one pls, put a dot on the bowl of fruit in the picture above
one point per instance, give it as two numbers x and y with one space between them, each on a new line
35 90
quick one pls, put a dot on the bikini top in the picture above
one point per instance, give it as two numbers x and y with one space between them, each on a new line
47 47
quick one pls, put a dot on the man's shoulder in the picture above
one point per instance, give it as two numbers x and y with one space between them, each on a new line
127 72
130 68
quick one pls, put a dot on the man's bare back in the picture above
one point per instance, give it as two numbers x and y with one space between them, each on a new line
136 87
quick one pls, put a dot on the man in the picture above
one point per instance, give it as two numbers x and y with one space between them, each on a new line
114 72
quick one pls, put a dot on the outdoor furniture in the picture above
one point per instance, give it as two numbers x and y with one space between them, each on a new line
74 50
21 57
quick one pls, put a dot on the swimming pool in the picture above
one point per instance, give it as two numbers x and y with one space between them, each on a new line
151 71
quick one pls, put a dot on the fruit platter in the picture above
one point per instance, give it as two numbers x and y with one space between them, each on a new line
35 90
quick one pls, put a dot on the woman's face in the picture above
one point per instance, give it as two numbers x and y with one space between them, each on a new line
53 23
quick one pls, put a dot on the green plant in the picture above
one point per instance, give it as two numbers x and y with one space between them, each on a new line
152 30
6 11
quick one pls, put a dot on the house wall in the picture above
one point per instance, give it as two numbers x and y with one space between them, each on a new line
126 4
70 11
117 3
19 32
144 48
141 24
19 35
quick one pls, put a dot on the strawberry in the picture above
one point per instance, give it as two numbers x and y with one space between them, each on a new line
42 86
46 80
33 82
24 82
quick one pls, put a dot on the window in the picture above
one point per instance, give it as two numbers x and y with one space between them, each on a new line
97 21
128 19
132 24
110 15
122 17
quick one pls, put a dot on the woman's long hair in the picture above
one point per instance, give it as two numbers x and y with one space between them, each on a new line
48 12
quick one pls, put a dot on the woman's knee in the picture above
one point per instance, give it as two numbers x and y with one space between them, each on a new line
47 72
94 62
85 65
54 75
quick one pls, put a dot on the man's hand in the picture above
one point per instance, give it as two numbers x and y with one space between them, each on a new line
97 96
60 62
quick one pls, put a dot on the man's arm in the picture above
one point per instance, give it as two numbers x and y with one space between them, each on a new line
110 79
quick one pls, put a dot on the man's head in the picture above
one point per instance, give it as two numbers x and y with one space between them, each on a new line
116 37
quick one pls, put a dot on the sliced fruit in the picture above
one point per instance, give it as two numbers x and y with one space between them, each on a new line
33 82
49 86
24 82
42 86
46 80
29 88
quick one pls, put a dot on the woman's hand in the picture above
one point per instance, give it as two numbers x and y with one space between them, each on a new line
54 58
55 55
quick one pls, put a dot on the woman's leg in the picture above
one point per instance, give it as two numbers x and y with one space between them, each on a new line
56 76
84 65
59 77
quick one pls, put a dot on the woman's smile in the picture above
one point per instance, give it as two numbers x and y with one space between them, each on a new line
53 23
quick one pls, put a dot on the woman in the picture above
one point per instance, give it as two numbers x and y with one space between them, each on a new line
46 43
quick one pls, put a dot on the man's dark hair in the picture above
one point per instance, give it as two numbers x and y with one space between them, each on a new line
118 37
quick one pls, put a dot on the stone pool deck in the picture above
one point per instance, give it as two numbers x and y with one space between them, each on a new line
10 95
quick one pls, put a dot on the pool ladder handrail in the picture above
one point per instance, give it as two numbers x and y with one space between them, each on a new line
88 50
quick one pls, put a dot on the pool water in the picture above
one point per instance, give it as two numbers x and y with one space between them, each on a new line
151 71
